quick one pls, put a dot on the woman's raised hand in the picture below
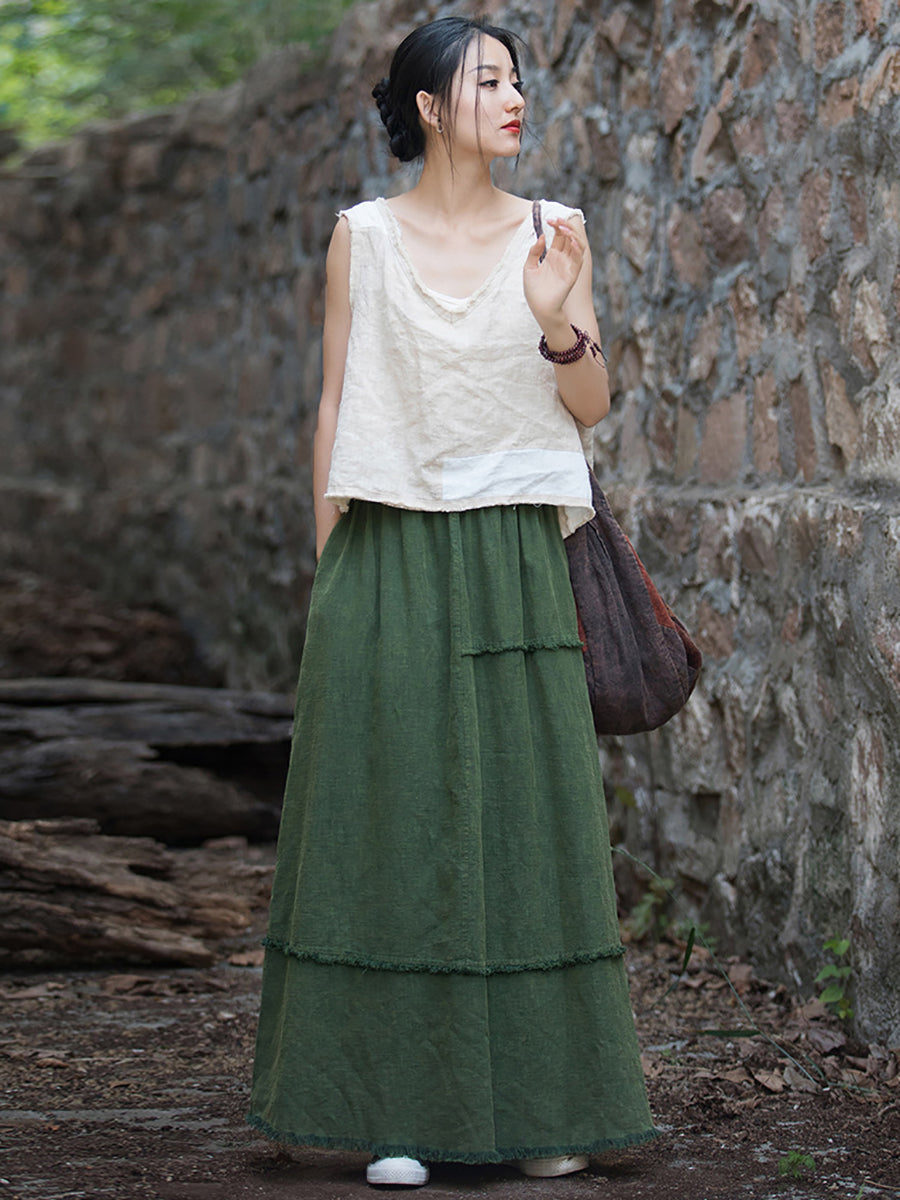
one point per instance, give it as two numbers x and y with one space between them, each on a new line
548 284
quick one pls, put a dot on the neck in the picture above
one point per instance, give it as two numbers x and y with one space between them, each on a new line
455 192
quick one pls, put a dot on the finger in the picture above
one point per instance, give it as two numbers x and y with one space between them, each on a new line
534 254
566 239
568 249
576 251
573 232
560 223
577 246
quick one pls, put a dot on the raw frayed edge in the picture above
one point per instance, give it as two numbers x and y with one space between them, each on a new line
332 958
430 1154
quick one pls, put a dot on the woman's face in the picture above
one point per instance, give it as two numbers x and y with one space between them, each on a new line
486 103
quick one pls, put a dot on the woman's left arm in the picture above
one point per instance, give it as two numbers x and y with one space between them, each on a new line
559 292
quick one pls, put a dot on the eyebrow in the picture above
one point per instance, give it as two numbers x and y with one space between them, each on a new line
489 67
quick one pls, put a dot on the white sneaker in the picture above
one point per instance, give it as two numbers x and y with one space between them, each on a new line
547 1168
397 1172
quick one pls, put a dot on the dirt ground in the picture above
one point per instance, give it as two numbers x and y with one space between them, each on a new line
133 1082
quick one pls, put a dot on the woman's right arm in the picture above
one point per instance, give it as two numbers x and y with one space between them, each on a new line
335 337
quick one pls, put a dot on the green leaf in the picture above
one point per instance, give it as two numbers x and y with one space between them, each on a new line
838 946
688 949
828 972
832 994
625 796
831 971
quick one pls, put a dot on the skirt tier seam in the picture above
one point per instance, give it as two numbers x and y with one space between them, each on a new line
370 962
475 649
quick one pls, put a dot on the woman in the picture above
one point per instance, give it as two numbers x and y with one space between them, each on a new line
444 978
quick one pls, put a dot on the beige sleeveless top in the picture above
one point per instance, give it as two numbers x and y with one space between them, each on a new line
446 403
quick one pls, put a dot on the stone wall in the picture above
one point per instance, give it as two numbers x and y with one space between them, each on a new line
162 291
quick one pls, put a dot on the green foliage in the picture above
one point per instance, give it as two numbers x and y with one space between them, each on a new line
650 916
63 62
625 796
834 995
794 1165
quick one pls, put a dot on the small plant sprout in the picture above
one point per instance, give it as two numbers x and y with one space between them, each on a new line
650 916
794 1164
834 994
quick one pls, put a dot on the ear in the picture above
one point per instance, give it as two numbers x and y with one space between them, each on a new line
427 109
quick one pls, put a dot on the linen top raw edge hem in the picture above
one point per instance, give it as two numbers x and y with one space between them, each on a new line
458 967
572 514
432 1154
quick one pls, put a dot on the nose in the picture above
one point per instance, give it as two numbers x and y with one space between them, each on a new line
515 101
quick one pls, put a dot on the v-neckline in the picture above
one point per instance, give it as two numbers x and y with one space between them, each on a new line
455 304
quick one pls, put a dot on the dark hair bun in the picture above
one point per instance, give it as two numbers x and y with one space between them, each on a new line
403 142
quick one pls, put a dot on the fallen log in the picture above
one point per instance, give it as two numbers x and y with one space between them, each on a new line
181 764
69 894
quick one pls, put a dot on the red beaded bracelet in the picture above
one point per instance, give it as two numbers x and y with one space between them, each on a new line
574 352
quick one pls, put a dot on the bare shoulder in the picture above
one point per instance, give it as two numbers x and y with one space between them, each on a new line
338 257
337 261
511 211
518 205
340 236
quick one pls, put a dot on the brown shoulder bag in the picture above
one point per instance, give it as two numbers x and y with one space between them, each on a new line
640 661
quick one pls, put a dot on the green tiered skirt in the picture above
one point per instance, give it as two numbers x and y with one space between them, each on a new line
443 974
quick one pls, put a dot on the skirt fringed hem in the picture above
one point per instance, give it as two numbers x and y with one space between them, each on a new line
504 1154
332 958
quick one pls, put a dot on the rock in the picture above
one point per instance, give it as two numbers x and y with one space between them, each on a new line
677 86
724 439
702 163
766 455
705 347
792 120
869 331
840 103
878 447
748 325
761 51
804 430
815 212
841 419
685 240
829 31
637 231
856 205
724 220
882 81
